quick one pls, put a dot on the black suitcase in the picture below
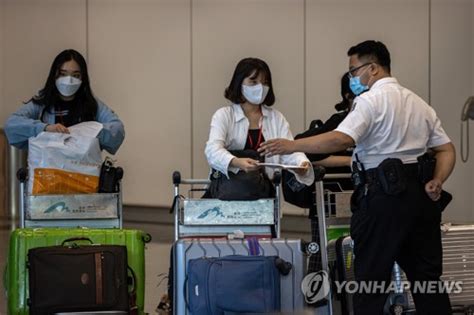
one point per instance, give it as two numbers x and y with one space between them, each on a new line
78 279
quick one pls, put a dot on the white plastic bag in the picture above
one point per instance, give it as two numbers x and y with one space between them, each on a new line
61 163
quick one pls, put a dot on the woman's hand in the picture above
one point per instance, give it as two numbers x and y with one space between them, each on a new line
56 128
245 164
306 166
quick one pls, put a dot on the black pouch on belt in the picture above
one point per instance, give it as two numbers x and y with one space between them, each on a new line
392 177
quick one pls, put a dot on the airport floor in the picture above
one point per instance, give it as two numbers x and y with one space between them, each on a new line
158 223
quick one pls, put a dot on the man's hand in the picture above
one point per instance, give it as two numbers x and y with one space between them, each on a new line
245 164
306 167
277 147
445 159
56 128
433 188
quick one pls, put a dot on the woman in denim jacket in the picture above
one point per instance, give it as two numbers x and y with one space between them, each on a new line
65 100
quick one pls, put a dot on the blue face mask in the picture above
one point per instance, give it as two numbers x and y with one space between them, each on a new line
356 87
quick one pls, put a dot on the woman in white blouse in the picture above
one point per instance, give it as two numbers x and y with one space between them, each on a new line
250 121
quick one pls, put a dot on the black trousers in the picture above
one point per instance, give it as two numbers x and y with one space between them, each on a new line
403 228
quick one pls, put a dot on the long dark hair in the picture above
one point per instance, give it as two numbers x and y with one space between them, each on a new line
49 96
245 68
346 93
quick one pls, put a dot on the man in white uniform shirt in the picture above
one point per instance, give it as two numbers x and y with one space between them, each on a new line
396 206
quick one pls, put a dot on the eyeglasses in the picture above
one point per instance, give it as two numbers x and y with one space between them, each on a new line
351 72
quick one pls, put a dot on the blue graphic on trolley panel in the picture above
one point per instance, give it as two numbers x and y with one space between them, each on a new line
221 212
59 207
73 206
217 213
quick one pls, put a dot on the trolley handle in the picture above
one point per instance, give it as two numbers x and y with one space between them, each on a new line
338 176
320 174
277 178
196 181
176 177
22 175
177 180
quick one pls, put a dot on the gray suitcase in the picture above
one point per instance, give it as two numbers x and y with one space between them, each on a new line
458 264
289 250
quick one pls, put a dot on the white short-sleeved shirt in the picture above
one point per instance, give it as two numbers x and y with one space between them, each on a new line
390 121
229 131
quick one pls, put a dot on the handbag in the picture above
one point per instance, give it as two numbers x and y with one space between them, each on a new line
251 185
110 177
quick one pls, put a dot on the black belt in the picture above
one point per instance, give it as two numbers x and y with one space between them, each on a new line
411 171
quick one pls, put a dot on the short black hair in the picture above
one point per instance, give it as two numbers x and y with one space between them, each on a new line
374 50
346 94
245 68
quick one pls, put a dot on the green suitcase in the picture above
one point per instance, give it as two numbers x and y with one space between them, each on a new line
21 240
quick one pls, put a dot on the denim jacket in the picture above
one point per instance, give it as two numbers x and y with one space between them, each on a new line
25 123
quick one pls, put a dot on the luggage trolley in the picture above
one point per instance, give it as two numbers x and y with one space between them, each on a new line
206 228
197 217
330 210
98 210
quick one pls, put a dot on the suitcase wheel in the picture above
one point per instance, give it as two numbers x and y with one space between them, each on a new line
312 248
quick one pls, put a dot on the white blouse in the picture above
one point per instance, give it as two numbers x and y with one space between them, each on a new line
229 131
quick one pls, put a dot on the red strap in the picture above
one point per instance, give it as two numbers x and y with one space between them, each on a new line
260 133
259 139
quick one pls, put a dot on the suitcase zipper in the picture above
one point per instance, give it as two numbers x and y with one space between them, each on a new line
208 304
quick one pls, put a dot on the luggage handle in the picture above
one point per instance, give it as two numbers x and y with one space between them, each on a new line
72 239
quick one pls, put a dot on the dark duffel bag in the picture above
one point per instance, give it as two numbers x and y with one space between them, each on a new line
78 278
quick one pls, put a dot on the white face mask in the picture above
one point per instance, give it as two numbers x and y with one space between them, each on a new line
68 86
255 94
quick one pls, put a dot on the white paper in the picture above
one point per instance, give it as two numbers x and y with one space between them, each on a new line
282 166
86 129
